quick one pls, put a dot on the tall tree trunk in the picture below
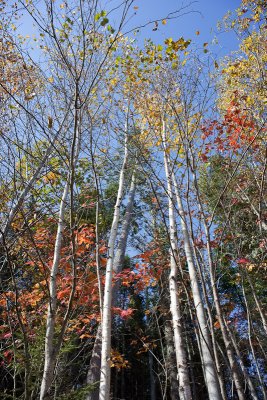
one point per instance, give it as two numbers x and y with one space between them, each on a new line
104 388
93 375
52 346
209 367
180 347
211 327
50 358
122 243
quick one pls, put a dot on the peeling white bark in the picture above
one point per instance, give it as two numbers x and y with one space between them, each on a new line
52 349
93 375
50 358
104 388
180 346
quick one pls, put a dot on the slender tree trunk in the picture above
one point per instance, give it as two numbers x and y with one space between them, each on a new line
104 388
93 375
205 342
50 358
122 244
180 348
52 348
211 326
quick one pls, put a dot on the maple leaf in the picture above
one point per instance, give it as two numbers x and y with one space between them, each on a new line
127 313
243 261
63 293
85 336
204 158
7 335
217 325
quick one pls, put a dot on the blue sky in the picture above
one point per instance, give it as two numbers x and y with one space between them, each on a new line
204 18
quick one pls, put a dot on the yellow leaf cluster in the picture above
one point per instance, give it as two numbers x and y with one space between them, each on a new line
118 361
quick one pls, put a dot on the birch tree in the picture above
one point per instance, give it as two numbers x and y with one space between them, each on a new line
183 374
93 375
104 389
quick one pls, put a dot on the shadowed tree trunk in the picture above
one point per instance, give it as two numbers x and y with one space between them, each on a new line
170 360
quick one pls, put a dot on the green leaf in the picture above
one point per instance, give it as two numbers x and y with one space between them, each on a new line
104 21
110 29
99 15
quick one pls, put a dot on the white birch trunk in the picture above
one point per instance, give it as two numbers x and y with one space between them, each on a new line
209 367
211 327
51 348
122 243
49 363
104 388
93 375
181 360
